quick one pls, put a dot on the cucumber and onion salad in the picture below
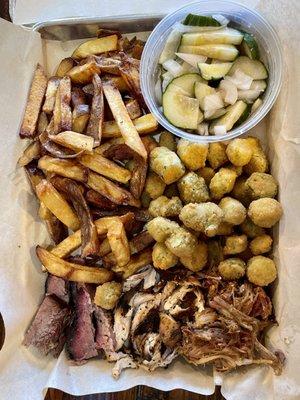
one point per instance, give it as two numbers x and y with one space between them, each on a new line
211 78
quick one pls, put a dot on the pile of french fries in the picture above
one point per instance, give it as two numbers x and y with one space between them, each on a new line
87 160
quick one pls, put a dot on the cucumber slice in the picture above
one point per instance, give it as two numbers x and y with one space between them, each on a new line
192 59
253 68
225 52
214 71
258 102
250 47
201 91
186 83
220 36
200 20
182 111
233 113
260 85
243 117
249 96
171 46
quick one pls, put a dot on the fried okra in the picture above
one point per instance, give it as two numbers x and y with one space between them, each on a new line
232 268
207 173
154 185
192 189
265 212
217 155
235 244
251 230
239 152
161 228
258 162
181 242
261 244
197 259
241 191
165 207
261 185
193 155
167 139
108 294
203 217
166 164
162 257
234 211
261 270
222 183
224 229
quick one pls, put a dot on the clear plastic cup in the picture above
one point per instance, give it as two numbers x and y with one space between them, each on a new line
241 17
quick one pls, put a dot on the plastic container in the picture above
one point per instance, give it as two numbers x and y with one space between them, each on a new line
240 17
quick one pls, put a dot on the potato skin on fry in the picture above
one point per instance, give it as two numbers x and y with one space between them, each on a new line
96 46
34 103
70 271
95 125
83 74
68 168
64 66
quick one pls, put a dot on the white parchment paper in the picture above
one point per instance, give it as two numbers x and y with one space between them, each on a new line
23 374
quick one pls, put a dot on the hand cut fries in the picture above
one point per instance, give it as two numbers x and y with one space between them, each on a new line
144 125
65 99
34 103
136 262
57 204
74 141
133 108
95 125
103 147
83 74
42 123
111 191
100 201
80 118
77 96
64 67
96 46
130 74
118 242
108 65
56 229
50 96
31 152
150 143
68 168
73 272
105 167
73 242
127 129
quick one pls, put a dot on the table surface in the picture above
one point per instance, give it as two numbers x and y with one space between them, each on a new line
139 392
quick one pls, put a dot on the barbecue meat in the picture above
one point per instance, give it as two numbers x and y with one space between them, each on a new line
58 287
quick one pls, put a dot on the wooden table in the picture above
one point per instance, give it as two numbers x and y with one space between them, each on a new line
139 392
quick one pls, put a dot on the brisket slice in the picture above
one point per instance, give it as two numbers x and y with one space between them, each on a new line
105 337
81 342
58 287
47 330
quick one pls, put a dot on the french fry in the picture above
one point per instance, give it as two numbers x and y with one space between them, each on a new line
49 102
127 128
103 147
73 242
100 201
70 271
105 167
101 32
118 241
65 99
35 175
80 117
74 141
108 65
95 125
150 143
53 200
96 46
54 126
144 125
34 103
68 168
131 75
136 262
64 67
119 83
111 191
42 123
83 74
104 248
31 152
55 227
133 108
